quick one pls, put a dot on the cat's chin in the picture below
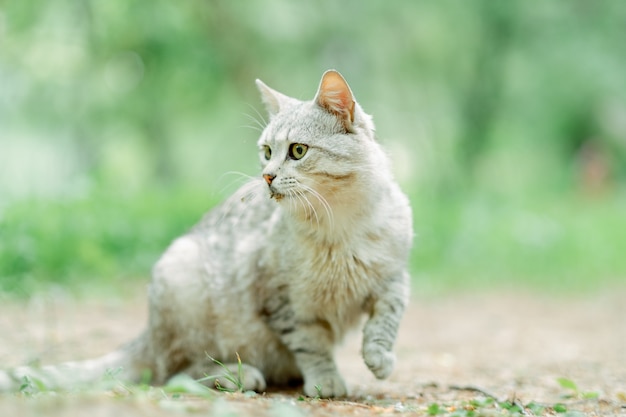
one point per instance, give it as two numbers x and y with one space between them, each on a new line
277 196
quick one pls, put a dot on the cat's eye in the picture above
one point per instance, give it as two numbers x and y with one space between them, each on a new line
297 150
267 152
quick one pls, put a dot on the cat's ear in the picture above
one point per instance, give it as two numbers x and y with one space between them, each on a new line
335 96
272 99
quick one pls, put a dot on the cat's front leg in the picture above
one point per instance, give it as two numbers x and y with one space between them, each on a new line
311 343
312 347
380 331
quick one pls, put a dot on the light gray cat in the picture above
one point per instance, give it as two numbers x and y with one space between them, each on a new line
283 269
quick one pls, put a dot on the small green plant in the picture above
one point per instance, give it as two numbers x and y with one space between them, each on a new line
574 391
434 409
183 384
235 379
490 406
536 409
111 375
318 388
32 385
27 385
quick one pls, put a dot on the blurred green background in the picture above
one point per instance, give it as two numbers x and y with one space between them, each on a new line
122 120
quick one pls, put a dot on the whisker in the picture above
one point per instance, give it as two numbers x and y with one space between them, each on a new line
241 177
294 193
291 202
254 121
240 174
258 129
312 208
321 199
260 123
260 116
305 205
323 202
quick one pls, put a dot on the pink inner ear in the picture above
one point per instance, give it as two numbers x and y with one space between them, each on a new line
335 95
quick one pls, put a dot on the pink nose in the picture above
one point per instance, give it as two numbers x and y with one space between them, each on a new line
269 178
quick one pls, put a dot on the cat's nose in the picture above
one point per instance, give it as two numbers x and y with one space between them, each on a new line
269 178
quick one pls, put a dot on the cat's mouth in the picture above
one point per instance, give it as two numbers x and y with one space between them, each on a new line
276 196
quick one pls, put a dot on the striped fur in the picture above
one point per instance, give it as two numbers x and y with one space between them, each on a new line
283 269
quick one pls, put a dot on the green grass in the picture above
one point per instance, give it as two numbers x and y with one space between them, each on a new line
185 396
235 380
472 242
563 244
99 241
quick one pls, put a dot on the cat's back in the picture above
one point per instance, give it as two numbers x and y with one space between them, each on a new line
221 252
236 230
247 212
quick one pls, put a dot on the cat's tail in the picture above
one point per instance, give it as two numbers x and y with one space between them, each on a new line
123 364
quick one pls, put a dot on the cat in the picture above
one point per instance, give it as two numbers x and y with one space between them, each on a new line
272 279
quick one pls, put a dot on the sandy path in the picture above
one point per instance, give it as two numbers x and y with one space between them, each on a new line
511 346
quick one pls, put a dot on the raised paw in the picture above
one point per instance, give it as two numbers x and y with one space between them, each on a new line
325 386
379 361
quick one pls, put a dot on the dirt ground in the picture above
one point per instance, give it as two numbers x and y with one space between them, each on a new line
451 350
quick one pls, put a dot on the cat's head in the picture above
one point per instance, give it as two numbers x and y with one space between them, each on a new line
318 151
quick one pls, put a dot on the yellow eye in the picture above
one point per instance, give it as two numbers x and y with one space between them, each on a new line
268 152
297 150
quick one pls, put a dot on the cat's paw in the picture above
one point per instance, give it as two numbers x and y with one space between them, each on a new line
379 361
325 386
251 379
248 378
